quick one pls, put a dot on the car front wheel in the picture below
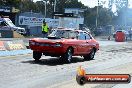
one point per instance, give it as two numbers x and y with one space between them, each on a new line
37 55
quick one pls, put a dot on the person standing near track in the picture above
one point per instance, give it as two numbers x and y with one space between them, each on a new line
45 29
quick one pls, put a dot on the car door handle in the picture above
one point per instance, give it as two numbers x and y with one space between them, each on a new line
87 42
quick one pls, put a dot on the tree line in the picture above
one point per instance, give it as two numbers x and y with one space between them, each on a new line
105 15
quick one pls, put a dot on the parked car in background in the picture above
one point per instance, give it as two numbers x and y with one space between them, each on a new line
6 24
65 43
124 31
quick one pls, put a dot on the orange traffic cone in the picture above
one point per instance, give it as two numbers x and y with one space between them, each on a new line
80 71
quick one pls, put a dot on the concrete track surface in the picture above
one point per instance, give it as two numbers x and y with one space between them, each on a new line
21 71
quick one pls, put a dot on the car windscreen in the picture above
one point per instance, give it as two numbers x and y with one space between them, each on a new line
64 34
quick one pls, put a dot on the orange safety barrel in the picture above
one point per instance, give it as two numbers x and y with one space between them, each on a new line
120 36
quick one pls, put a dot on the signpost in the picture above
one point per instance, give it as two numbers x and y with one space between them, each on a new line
2 47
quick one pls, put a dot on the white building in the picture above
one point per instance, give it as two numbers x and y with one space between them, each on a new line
72 22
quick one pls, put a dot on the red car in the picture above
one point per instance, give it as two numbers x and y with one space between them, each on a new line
65 43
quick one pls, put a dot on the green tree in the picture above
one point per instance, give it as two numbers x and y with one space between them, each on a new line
14 3
121 12
104 16
90 17
61 4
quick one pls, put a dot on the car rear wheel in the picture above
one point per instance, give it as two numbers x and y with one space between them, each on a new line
37 55
68 55
90 56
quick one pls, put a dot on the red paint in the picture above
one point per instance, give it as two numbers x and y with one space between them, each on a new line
81 47
2 47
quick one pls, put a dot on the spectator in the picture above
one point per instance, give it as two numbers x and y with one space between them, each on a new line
45 29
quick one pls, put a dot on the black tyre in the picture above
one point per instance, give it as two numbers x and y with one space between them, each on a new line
37 55
90 56
68 55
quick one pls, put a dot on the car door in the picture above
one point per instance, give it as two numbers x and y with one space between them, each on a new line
82 43
88 43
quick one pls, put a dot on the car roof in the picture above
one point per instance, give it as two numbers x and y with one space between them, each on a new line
61 28
70 29
79 30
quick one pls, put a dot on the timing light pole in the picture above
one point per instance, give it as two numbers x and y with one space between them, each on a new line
45 9
97 14
45 5
126 9
54 7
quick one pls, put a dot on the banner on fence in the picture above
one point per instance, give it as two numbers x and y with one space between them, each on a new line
15 45
2 47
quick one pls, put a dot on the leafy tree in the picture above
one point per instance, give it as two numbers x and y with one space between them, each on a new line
121 6
90 17
105 16
61 4
14 3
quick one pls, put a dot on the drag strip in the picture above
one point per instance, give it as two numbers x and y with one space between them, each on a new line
53 77
22 71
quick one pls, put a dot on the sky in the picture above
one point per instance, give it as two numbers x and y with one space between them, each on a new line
93 3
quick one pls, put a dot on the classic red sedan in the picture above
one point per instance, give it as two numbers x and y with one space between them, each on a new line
65 43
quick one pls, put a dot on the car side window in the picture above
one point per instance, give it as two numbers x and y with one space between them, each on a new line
82 36
88 36
72 34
